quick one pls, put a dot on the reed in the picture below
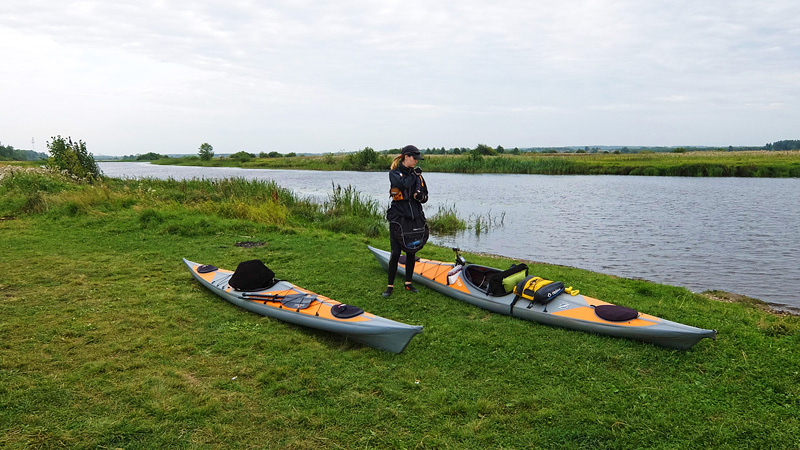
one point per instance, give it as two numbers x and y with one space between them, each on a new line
347 210
446 221
482 223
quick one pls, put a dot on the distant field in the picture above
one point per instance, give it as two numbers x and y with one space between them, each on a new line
773 164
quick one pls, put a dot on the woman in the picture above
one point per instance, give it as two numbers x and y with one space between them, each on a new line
408 191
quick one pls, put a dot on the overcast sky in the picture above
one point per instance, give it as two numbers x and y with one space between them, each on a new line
326 76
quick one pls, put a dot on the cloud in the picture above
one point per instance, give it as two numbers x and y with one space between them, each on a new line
305 76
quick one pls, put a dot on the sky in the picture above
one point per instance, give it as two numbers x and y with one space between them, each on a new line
131 77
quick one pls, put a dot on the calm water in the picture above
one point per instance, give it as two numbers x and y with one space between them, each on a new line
733 234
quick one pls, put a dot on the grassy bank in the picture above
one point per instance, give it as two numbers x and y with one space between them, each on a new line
107 341
693 164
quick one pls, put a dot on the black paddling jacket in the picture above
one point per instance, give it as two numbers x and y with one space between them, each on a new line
404 179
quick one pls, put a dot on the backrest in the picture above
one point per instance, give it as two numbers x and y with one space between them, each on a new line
496 285
252 275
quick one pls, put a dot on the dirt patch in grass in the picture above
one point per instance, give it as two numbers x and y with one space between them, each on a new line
250 244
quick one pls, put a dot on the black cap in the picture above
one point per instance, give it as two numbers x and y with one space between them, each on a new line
410 150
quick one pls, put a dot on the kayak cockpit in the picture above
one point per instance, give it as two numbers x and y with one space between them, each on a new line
494 282
478 276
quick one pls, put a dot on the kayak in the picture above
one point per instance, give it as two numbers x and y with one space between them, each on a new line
467 282
290 303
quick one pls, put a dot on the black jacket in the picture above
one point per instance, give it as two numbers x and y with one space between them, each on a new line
404 179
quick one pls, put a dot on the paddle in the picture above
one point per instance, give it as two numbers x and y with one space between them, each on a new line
295 301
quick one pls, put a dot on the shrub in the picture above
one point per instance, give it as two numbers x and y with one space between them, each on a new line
242 156
73 158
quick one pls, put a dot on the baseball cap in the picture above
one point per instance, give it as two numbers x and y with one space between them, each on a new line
410 150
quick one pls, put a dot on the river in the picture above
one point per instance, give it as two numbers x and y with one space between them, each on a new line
732 234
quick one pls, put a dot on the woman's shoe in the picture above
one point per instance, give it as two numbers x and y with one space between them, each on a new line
388 292
411 289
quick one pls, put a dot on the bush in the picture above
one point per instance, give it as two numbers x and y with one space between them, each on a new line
150 156
73 158
367 159
242 156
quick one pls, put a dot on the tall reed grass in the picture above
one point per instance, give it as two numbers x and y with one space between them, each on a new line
26 191
538 164
348 211
483 223
446 221
185 202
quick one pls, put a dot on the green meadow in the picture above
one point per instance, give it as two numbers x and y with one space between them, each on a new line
772 164
106 341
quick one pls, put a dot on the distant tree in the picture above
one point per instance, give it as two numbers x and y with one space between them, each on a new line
242 156
291 155
516 151
150 156
784 145
475 156
482 149
367 159
274 155
206 151
6 152
73 158
9 153
500 149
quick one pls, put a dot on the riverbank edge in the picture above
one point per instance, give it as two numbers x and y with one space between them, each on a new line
745 164
714 294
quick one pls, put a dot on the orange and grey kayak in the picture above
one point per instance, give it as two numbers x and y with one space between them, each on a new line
468 283
290 303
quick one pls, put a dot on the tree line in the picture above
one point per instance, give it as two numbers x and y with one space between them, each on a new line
9 153
783 145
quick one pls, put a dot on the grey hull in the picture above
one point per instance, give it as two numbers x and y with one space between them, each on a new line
566 311
367 328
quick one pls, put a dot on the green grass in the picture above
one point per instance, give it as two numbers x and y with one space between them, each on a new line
694 164
106 341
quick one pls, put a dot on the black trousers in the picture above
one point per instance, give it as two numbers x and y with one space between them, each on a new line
393 260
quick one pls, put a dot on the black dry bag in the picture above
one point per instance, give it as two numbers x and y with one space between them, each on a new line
412 234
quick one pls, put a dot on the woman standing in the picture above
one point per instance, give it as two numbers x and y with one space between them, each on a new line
408 229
